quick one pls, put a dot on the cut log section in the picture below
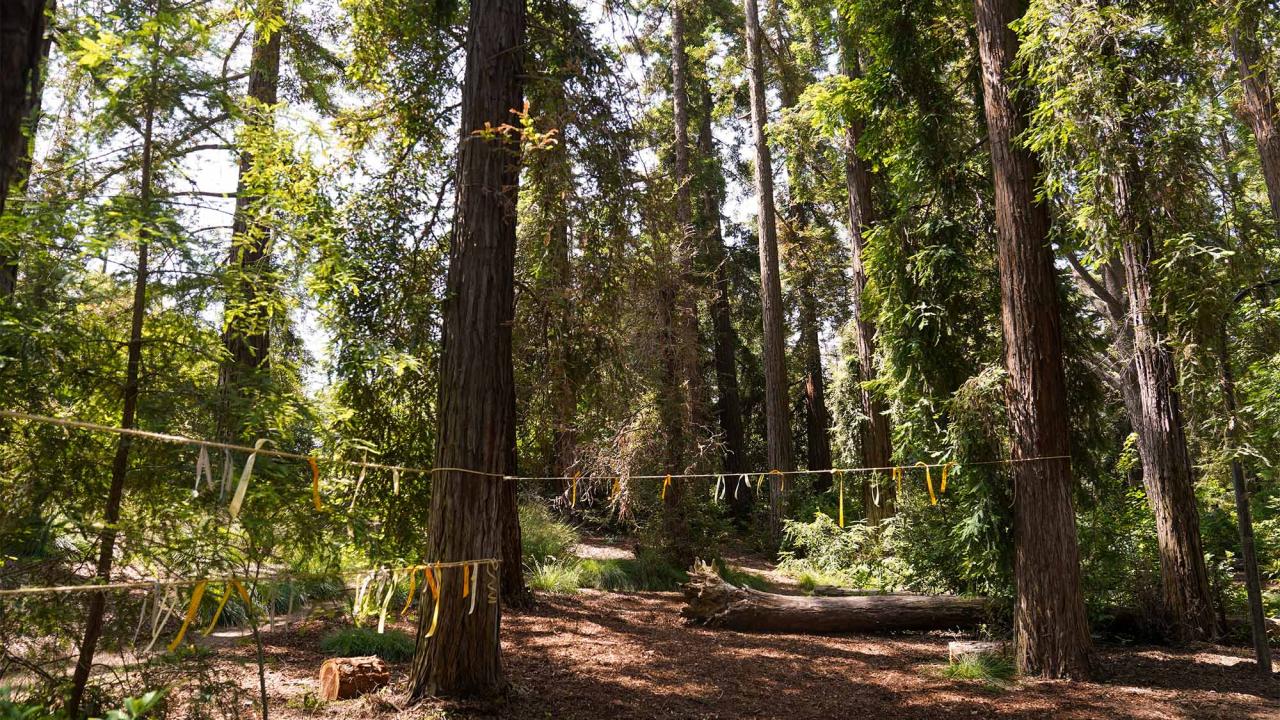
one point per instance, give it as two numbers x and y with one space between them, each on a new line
709 600
344 678
961 650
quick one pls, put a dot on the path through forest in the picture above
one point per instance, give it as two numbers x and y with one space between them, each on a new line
628 655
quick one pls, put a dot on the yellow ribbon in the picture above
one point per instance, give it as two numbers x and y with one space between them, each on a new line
928 481
840 475
244 594
897 476
413 585
573 497
466 580
945 469
226 595
435 593
666 483
782 480
617 489
196 595
315 483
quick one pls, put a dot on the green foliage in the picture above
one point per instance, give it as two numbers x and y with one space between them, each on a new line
555 575
392 645
542 535
991 669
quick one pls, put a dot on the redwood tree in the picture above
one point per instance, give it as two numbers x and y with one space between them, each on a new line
777 407
23 47
476 405
246 336
1258 104
879 495
1052 633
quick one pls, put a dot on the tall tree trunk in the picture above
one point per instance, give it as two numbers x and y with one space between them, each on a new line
246 336
1049 619
476 406
879 496
1259 102
128 416
725 338
679 311
1162 443
817 420
777 409
23 50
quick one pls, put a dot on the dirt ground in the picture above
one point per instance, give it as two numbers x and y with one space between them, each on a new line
612 655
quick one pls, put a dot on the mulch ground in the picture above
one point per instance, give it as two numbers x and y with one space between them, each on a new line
612 655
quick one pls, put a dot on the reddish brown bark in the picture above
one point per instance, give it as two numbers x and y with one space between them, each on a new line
777 408
1258 105
1156 413
476 405
247 335
879 495
1049 620
23 50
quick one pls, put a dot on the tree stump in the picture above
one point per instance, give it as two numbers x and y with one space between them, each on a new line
344 678
960 650
711 601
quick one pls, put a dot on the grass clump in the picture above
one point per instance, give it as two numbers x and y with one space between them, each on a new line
554 575
542 535
392 645
741 578
989 668
648 571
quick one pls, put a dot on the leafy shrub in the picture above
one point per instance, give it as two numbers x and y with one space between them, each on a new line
820 552
392 645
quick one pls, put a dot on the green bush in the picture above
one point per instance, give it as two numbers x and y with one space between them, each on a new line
392 645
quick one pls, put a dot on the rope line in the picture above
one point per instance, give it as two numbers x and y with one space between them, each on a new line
183 582
397 469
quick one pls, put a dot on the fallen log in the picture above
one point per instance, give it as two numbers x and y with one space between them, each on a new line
711 601
344 678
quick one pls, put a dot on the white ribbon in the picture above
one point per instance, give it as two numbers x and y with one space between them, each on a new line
720 488
359 481
475 577
395 481
202 467
238 498
228 468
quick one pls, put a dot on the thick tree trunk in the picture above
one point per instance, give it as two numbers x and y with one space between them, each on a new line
709 600
879 496
725 337
777 408
1162 444
476 406
817 420
23 50
1049 620
247 336
1259 102
677 317
128 419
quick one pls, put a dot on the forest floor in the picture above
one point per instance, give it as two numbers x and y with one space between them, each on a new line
628 655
